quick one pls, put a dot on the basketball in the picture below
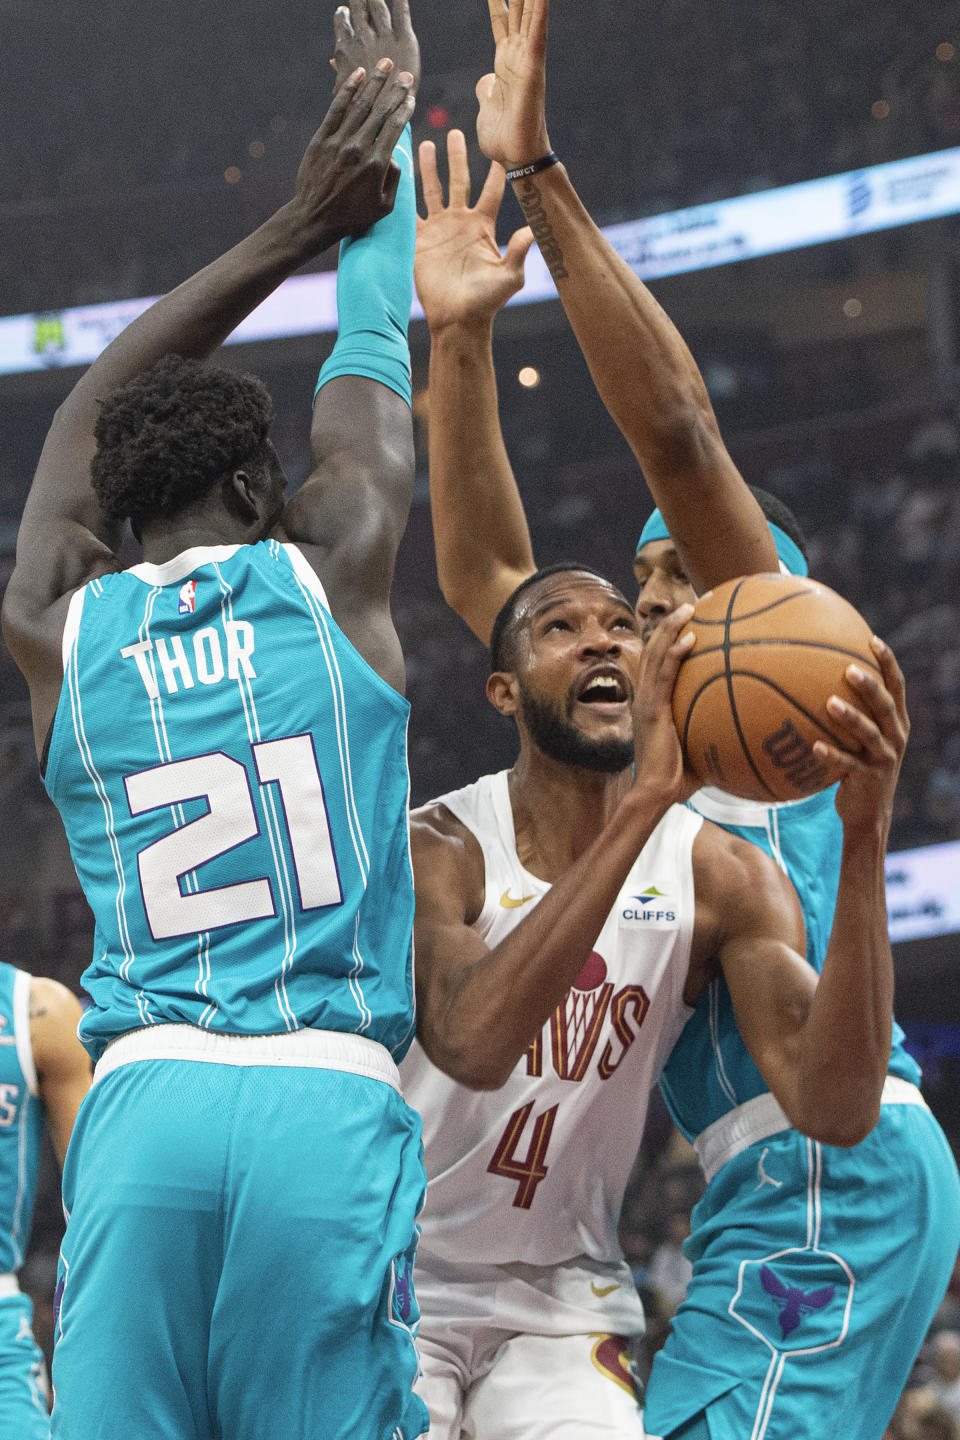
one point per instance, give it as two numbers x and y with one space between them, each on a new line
751 697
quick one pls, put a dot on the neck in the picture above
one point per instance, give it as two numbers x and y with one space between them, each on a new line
559 810
161 543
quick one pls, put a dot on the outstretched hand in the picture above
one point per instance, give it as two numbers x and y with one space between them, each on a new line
511 124
659 757
875 732
347 179
366 31
459 272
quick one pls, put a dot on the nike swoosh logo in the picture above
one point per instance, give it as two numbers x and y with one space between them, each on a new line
601 1290
508 902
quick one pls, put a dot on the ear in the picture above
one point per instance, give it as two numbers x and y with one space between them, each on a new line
503 692
240 497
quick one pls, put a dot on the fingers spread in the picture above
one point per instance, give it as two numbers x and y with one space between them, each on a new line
484 87
401 17
358 17
492 194
370 90
459 170
429 179
498 19
342 27
341 103
379 17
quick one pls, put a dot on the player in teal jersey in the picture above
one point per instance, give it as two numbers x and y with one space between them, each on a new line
44 1075
817 1268
224 730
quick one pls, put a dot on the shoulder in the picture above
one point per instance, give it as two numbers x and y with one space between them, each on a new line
54 1016
447 857
738 884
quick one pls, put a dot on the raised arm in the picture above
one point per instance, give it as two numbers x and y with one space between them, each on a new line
479 527
643 371
822 1045
62 1064
350 515
345 182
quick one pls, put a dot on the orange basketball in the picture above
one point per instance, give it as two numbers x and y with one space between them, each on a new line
751 696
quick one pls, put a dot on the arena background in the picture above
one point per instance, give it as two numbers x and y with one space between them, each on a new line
140 142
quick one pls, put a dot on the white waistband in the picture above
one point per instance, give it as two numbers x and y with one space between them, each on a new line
313 1049
763 1116
9 1285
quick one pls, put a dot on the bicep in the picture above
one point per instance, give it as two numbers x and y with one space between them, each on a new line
447 946
771 984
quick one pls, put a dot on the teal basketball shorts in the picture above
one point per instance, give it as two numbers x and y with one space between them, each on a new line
23 1385
817 1271
240 1241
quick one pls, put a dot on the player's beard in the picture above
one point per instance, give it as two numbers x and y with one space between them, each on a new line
556 735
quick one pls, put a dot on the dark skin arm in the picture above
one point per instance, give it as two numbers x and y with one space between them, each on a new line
350 515
822 1045
63 1066
346 182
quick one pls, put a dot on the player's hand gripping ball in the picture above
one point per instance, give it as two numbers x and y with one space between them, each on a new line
751 696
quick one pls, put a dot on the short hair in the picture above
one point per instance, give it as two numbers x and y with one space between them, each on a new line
168 436
780 514
503 634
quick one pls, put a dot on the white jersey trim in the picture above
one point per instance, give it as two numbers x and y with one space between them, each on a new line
183 564
71 628
305 572
761 1117
306 1048
724 809
21 1030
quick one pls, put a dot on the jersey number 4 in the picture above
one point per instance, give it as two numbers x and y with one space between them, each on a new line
528 1170
171 896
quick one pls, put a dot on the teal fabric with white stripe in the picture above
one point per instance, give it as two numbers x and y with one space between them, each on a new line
233 781
710 1072
21 1119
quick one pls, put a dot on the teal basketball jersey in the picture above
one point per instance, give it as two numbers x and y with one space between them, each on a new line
21 1118
232 777
710 1071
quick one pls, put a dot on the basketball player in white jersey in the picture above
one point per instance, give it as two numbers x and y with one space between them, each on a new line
569 913
745 1362
44 1075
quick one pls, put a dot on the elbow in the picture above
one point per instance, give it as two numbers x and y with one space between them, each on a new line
685 433
470 1065
840 1128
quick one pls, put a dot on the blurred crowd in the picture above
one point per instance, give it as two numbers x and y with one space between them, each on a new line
124 124
716 99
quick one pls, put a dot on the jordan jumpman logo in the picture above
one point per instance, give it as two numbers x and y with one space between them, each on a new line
765 1179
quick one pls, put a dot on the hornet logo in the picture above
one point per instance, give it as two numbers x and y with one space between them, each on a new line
794 1302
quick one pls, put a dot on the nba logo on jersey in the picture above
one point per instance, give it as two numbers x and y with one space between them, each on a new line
188 597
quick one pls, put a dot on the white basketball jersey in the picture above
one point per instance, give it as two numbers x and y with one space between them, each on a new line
535 1171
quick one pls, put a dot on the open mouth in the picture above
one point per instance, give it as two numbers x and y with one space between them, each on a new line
603 687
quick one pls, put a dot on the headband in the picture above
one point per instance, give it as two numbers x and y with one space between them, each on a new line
789 552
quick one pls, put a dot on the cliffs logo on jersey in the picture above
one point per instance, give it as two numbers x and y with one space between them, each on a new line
188 597
648 909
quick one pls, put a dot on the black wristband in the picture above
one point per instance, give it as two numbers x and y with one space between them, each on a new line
535 166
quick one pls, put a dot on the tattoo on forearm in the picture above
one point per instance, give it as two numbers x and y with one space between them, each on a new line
532 206
36 1011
